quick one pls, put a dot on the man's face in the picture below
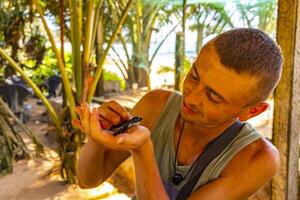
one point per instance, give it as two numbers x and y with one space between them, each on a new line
212 94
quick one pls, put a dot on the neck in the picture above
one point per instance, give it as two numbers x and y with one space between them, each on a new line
200 135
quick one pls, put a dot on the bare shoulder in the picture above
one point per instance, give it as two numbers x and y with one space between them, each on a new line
150 106
248 171
265 152
158 94
251 168
260 157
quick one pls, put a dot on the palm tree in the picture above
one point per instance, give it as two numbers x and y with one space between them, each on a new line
137 32
210 18
83 29
259 14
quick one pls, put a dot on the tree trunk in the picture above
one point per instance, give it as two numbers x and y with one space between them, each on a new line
131 75
12 145
178 61
199 38
148 82
99 49
4 109
141 75
100 87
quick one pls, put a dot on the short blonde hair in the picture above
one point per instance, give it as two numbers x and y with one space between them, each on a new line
251 51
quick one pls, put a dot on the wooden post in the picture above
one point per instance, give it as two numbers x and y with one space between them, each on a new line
286 124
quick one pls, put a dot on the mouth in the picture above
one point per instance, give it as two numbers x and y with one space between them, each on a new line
188 110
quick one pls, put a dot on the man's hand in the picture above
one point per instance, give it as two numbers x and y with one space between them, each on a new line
94 124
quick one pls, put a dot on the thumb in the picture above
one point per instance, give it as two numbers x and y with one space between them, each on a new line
120 140
94 122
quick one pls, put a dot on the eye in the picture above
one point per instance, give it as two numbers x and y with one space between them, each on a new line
194 76
211 96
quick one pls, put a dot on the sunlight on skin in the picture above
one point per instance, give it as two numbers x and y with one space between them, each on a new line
106 190
102 189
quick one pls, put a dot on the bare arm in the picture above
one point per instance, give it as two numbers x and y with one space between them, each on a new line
148 181
97 162
91 168
90 153
243 177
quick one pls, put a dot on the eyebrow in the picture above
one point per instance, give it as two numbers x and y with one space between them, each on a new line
208 87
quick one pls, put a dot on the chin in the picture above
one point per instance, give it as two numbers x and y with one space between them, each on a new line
197 120
192 119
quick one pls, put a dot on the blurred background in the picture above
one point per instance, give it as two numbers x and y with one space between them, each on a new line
55 54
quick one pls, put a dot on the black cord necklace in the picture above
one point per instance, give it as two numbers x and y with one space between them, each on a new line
177 177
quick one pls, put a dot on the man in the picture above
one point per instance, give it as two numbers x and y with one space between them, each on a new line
230 80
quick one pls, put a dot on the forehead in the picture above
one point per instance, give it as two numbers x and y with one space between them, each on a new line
234 87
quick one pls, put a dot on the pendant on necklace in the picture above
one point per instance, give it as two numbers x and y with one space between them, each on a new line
177 178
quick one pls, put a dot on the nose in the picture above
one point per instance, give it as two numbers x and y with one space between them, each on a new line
195 96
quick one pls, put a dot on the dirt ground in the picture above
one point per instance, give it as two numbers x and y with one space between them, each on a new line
34 179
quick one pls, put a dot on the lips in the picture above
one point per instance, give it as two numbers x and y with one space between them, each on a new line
188 110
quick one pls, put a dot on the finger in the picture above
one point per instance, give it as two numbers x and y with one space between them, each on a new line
77 124
120 140
94 123
120 110
109 115
104 123
117 108
85 117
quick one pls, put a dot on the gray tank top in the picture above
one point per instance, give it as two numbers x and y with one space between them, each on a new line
163 140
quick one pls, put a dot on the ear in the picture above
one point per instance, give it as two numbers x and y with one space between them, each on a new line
254 111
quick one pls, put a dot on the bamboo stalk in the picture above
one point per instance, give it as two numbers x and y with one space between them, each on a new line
62 28
90 14
138 28
37 90
103 56
61 67
99 34
76 37
88 33
99 4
